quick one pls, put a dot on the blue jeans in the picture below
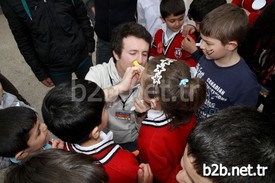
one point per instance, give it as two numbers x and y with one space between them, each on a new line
103 51
81 71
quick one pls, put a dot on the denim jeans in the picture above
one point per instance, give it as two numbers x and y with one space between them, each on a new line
81 71
103 51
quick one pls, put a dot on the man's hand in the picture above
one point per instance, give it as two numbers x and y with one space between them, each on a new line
130 78
48 82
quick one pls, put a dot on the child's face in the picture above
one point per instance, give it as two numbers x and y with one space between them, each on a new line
174 23
38 136
213 48
188 174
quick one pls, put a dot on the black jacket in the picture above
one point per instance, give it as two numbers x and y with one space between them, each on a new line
111 13
55 35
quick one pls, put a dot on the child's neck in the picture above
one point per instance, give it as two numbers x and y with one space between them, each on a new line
90 142
228 60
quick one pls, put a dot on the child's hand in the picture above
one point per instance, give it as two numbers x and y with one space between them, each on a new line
145 174
57 144
189 44
141 106
188 29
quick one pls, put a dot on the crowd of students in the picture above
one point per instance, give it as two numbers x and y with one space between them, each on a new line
165 108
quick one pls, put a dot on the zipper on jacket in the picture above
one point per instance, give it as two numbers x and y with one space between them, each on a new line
50 14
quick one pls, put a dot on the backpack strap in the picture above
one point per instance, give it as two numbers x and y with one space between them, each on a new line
26 7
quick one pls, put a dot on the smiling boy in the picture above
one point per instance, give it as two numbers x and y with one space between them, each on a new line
229 80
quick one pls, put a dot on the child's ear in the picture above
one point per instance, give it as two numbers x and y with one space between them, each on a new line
154 103
96 132
232 45
21 155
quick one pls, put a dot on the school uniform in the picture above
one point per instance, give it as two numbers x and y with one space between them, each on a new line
120 165
162 146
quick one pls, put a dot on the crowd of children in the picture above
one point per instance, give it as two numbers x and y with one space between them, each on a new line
168 109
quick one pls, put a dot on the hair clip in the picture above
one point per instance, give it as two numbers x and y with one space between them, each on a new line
159 69
183 82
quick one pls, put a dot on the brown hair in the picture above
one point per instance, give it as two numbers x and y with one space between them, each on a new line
178 102
226 23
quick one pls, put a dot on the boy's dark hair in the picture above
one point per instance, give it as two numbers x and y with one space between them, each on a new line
15 125
199 8
236 136
54 166
128 29
226 23
172 7
72 110
179 102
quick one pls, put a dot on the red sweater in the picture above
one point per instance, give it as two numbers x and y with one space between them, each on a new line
162 147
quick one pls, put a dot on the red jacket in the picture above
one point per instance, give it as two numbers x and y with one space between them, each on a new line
173 48
162 147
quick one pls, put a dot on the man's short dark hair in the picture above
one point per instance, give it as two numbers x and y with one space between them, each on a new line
128 29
